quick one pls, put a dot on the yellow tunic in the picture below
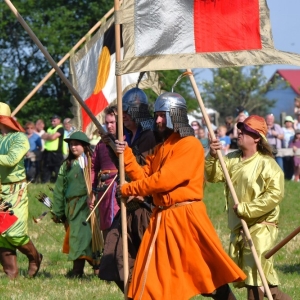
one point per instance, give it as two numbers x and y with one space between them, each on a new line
259 185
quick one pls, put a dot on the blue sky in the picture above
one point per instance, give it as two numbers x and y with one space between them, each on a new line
285 22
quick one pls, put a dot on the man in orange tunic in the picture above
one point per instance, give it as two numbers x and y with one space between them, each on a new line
180 255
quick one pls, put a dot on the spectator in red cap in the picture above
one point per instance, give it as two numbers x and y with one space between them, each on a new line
259 184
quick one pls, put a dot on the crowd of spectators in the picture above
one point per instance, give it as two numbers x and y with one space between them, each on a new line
279 137
47 148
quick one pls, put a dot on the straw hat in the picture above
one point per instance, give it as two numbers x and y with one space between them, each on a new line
7 120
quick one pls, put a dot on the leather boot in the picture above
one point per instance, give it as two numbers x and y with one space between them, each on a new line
277 294
8 260
78 266
254 293
221 293
34 258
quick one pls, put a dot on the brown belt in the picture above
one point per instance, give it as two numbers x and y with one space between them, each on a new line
158 220
74 197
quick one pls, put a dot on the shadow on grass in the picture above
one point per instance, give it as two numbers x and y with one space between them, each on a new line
288 268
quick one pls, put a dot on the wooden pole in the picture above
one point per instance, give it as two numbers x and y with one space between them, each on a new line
121 156
230 185
57 69
282 243
28 97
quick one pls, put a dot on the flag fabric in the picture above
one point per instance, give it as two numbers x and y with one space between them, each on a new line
165 35
92 71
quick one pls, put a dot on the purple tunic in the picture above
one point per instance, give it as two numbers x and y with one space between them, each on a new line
108 206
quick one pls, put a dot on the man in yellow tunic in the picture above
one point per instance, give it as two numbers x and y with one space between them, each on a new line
180 255
259 184
13 147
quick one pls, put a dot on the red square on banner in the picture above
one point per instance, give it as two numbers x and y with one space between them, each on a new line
226 25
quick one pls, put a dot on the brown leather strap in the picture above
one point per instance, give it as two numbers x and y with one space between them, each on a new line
145 273
21 191
158 220
74 197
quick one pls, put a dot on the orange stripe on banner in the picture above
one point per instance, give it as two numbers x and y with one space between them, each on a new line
226 25
96 103
104 66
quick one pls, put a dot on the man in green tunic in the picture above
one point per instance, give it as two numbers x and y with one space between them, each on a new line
259 185
13 147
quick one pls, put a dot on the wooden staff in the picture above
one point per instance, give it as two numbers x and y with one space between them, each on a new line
282 243
230 185
95 27
121 156
58 70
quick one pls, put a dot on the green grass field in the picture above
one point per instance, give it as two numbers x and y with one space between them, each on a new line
51 282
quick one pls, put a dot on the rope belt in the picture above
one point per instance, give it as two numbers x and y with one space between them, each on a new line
268 223
158 220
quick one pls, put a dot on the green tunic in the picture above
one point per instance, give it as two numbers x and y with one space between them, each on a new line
259 185
70 195
13 148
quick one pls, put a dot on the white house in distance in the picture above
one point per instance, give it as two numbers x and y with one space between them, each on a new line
285 93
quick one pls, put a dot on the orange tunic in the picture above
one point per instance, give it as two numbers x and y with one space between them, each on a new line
188 258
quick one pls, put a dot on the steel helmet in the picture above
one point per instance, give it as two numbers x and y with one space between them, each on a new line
135 104
176 112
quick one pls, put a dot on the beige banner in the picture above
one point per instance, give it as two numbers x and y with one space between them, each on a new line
267 55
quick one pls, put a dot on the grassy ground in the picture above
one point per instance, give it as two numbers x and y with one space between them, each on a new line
52 284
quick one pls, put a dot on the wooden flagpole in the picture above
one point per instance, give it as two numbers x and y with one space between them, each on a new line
121 156
57 69
230 185
83 39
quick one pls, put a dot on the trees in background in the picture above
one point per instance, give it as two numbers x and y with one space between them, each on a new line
59 25
238 86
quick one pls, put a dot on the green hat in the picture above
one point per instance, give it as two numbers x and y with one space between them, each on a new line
289 119
78 136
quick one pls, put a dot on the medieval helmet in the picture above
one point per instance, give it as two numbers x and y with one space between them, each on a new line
176 113
135 104
78 136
